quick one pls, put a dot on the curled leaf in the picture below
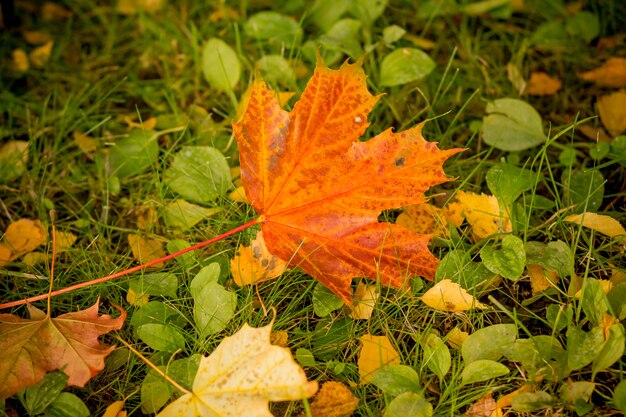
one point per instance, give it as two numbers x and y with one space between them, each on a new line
599 222
450 296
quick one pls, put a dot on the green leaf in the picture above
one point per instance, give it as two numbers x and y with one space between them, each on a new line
213 308
599 150
344 37
325 301
508 182
559 316
156 284
619 396
552 35
542 356
583 189
405 65
508 261
184 370
37 398
555 256
134 154
477 8
458 267
482 370
67 405
155 312
392 34
488 343
305 357
611 350
583 25
161 337
274 28
325 13
436 355
367 11
433 8
182 215
409 404
207 275
617 300
199 173
582 346
397 379
330 337
220 65
594 301
532 401
512 125
572 392
155 392
618 149
276 70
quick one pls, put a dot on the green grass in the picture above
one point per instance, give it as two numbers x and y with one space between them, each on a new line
106 67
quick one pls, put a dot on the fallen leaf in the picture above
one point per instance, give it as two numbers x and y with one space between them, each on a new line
483 407
36 37
319 191
541 279
376 352
130 7
363 301
279 338
238 195
87 144
610 74
184 215
612 41
606 323
241 375
599 222
450 296
334 399
612 111
453 212
64 241
505 400
146 249
40 55
51 11
13 158
254 264
147 218
5 255
35 258
69 343
483 214
136 299
115 409
23 236
456 337
19 60
542 84
605 284
423 219
597 134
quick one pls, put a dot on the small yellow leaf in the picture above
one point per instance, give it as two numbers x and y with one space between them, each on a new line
483 214
19 60
87 144
605 284
505 400
5 255
146 249
241 376
15 153
377 351
36 37
541 84
456 337
238 195
64 241
363 301
284 97
611 74
279 338
34 258
453 212
612 111
254 264
334 399
24 236
51 11
424 219
235 172
450 296
115 410
39 56
129 7
541 279
147 218
136 299
599 222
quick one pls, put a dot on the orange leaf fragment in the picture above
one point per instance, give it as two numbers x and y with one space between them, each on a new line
424 219
541 279
69 343
612 111
333 399
542 84
319 191
254 264
610 74
146 249
377 351
5 254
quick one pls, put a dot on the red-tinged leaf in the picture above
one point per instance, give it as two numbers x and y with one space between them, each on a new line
69 343
319 191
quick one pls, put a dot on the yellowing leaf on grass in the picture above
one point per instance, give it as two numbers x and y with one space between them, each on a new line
542 84
23 236
238 195
64 240
19 60
254 264
607 322
129 7
483 214
334 399
453 212
146 249
241 376
610 74
279 338
40 55
450 296
136 299
148 124
424 219
147 218
52 11
87 144
456 337
612 111
36 37
13 157
5 255
115 409
34 258
377 351
505 400
541 279
363 301
599 222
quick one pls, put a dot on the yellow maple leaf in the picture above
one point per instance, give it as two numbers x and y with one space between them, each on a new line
450 296
599 222
334 399
241 376
424 219
146 249
377 351
363 301
254 264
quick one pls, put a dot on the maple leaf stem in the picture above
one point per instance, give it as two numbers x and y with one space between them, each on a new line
153 366
133 269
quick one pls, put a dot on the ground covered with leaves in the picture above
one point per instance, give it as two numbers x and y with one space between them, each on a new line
138 129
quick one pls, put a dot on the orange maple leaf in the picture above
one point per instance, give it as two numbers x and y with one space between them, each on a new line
69 343
319 191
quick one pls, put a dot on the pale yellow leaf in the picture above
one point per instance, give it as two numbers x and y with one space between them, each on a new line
377 351
40 55
450 296
363 301
5 254
64 240
540 278
24 236
136 299
183 215
87 144
19 60
612 111
599 222
334 399
14 153
456 337
241 376
34 258
483 214
146 249
238 195
254 264
115 410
